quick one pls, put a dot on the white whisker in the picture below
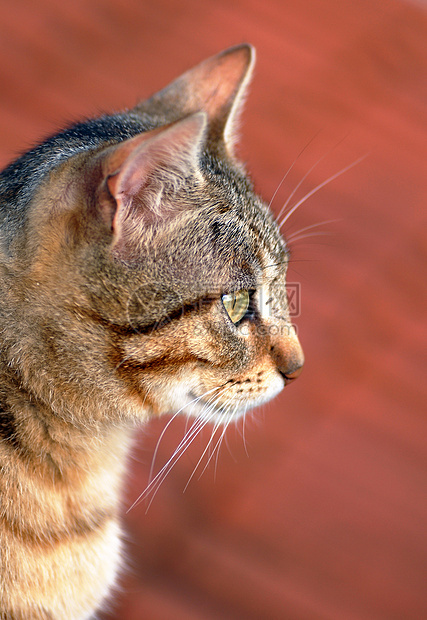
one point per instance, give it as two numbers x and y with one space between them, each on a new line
244 434
313 234
125 359
318 187
159 477
158 480
297 232
215 428
153 460
304 178
194 431
218 445
195 400
290 168
215 446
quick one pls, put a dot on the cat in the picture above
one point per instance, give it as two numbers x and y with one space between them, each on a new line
140 275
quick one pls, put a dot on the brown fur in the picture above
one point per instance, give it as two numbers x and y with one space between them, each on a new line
113 261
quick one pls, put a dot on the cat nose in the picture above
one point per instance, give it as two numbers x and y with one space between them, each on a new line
288 356
291 376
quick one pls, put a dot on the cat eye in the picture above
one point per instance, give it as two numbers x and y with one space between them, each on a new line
236 305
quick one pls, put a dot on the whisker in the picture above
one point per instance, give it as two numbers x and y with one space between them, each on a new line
153 460
216 427
158 480
281 262
125 359
318 187
230 451
291 166
217 446
305 176
217 443
313 234
221 439
244 434
297 232
195 400
186 441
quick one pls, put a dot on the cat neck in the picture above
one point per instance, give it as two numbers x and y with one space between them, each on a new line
68 481
51 449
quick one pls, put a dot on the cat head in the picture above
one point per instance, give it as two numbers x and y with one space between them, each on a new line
143 274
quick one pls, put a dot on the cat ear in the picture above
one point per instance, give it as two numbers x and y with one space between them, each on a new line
140 172
216 86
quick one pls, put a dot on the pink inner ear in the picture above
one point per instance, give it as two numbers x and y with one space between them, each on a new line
174 147
129 181
216 87
138 171
121 155
216 84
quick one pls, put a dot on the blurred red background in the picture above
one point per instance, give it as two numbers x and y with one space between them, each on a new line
326 519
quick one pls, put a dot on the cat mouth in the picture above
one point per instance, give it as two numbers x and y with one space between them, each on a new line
216 412
214 406
221 404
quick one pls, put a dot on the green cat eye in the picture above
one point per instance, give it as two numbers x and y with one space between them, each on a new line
236 305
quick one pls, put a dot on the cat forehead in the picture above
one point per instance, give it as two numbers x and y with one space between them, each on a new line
243 246
208 252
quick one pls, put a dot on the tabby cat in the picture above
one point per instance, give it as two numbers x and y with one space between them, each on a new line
140 275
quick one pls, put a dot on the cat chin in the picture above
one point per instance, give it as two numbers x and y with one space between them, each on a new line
206 408
218 405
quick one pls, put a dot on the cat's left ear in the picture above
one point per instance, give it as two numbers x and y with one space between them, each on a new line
142 173
216 86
